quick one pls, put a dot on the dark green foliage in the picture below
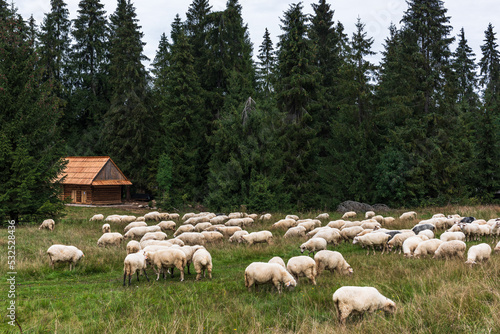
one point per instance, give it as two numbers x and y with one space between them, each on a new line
265 66
30 144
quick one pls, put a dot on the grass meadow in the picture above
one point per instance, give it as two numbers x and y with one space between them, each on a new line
432 296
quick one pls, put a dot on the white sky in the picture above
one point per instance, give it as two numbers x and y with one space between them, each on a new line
156 16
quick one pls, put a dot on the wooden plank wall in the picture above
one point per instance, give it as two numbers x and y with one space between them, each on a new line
109 172
106 195
69 188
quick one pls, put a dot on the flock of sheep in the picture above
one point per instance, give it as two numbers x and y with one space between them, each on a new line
149 245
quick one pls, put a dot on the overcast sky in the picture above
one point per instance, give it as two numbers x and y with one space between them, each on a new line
156 16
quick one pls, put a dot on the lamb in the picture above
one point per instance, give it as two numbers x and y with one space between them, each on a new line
313 245
284 224
134 263
106 228
257 237
350 232
447 236
237 236
427 247
110 239
63 253
202 260
137 233
154 236
331 235
192 238
97 217
323 216
167 225
349 299
265 273
410 244
372 240
450 249
369 214
183 229
410 215
133 246
213 236
134 224
302 265
167 258
349 214
295 232
478 253
397 241
278 260
332 261
48 224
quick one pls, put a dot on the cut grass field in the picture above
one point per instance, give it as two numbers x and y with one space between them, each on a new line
432 296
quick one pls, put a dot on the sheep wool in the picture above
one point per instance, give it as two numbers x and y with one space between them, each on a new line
48 224
313 245
202 261
134 263
257 237
106 228
302 266
265 273
277 260
97 217
167 258
110 239
64 253
133 246
478 253
332 261
451 249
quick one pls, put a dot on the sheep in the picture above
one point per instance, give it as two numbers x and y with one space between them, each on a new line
189 251
265 273
284 224
470 230
218 219
106 228
235 222
428 233
420 227
163 216
387 220
350 232
48 224
202 260
140 219
438 215
114 219
153 215
478 253
372 240
201 227
447 236
352 224
254 216
184 229
167 258
371 225
497 247
134 263
397 241
110 239
312 233
228 231
154 236
349 299
257 237
167 225
331 235
137 233
294 217
64 253
134 224
213 236
266 217
97 217
336 224
427 247
278 260
349 214
313 245
192 238
309 224
332 261
495 229
379 219
236 215
454 228
323 216
173 216
294 232
450 249
302 265
467 220
188 215
410 244
197 220
168 243
410 215
369 214
133 246
127 219
237 236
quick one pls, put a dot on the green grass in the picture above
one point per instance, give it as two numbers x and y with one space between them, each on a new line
432 296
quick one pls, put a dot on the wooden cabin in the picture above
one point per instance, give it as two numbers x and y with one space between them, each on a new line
93 180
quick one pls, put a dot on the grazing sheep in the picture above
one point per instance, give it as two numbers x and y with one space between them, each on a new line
467 220
454 228
167 258
133 246
294 217
110 239
428 233
312 233
167 225
427 247
302 266
228 231
408 215
189 251
371 225
332 261
257 237
154 236
309 224
202 260
387 220
336 224
380 219
63 253
372 240
153 215
137 233
48 224
369 214
134 263
114 219
349 299
352 224
471 231
411 243
235 222
140 219
192 238
349 233
128 219
266 217
197 220
237 236
168 243
397 241
106 228
331 235
450 249
173 216
202 227
218 219
134 224
447 236
268 273
295 232
349 214
313 245
478 253
97 217
277 260
284 224
236 215
323 216
213 236
184 229
497 247
421 227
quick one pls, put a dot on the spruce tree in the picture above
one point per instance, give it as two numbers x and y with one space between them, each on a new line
266 66
465 71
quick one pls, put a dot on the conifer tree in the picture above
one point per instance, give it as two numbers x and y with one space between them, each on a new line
266 66
465 70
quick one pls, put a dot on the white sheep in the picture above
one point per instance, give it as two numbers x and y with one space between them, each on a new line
309 224
228 231
323 216
450 249
48 224
127 219
97 217
213 236
235 222
192 238
277 260
313 245
257 237
497 247
202 227
294 217
153 215
349 299
167 258
134 224
189 251
454 228
411 243
173 216
284 224
408 215
369 214
64 253
169 243
236 215
167 225
137 233
331 235
352 224
428 233
447 236
427 247
114 219
237 236
154 236
372 240
266 217
387 220
106 228
397 241
184 229
478 253
302 266
295 232
218 219
332 261
349 233
110 239
265 273
202 260
336 223
134 263
133 246
349 214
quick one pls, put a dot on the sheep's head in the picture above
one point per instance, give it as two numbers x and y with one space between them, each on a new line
389 306
302 248
348 271
355 240
291 284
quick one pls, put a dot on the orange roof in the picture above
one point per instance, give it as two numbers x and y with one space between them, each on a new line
84 171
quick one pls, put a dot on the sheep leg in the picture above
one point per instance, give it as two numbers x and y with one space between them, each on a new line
137 272
189 264
145 274
124 277
182 273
